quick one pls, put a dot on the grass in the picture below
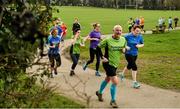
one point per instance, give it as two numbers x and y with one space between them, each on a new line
57 101
158 62
52 100
108 17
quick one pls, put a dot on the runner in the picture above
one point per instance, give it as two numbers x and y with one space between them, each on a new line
134 41
113 47
76 25
64 32
94 37
56 25
142 23
77 41
53 53
131 23
137 22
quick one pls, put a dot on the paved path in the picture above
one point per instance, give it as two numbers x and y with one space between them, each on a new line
127 97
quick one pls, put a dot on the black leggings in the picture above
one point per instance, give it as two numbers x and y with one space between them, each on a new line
53 58
75 58
131 62
92 53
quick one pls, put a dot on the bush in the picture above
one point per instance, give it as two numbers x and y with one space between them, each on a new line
23 26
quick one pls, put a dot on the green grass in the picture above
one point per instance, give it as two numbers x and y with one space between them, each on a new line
57 101
158 62
108 17
52 100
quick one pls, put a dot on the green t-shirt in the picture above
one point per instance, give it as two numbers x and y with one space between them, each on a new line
76 46
130 23
113 48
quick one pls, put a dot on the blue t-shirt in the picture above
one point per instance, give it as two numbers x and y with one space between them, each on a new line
58 28
132 41
94 43
54 41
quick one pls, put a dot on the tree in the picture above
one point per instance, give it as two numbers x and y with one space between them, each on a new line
177 4
23 25
147 4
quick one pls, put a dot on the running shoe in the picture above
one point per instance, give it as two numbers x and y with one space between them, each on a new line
99 96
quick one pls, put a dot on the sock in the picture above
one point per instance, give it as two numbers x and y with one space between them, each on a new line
113 92
103 85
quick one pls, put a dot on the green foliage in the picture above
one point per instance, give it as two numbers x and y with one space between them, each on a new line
22 26
145 4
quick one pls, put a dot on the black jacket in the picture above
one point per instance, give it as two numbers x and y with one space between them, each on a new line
76 26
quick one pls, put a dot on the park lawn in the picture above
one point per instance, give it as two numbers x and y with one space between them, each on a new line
158 62
58 101
52 100
108 17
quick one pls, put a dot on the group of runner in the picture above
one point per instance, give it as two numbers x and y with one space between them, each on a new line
114 46
139 21
57 35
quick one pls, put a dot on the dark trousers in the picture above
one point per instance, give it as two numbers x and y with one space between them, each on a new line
75 58
131 62
170 26
130 29
53 58
94 52
176 24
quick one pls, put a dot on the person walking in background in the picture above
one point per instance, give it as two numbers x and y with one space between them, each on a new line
170 22
114 46
77 41
160 22
76 25
134 42
176 19
94 37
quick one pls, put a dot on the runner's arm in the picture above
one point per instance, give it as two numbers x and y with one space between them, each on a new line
140 45
89 38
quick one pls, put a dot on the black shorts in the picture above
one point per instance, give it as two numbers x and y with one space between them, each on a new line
131 62
53 58
110 70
